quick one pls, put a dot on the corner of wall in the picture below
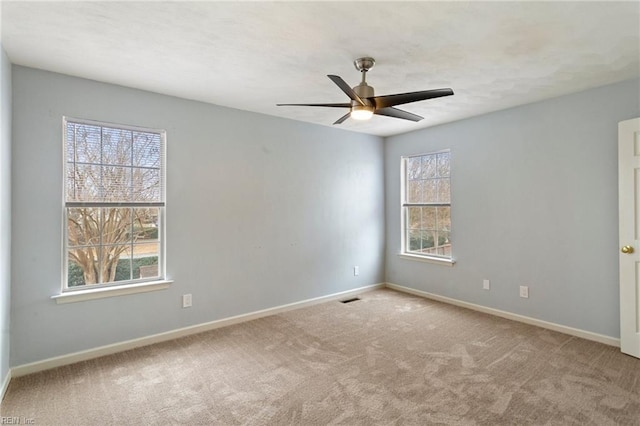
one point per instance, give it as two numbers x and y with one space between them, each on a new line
4 385
5 218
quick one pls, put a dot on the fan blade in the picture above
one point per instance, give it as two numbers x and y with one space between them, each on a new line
341 119
342 105
346 88
397 113
405 98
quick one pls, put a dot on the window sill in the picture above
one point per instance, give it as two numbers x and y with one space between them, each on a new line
436 260
99 293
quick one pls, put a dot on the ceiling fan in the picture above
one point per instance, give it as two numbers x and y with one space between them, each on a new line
364 104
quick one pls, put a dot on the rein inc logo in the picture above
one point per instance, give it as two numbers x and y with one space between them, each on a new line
17 420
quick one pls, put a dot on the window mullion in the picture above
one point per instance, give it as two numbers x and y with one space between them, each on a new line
75 160
101 244
113 205
101 188
131 186
436 238
131 213
132 209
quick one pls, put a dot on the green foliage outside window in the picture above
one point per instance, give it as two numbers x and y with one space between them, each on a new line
76 278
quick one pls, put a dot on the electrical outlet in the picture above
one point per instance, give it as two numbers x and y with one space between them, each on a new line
486 284
524 291
356 271
186 300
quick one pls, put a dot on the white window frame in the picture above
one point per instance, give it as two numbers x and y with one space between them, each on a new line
116 288
404 213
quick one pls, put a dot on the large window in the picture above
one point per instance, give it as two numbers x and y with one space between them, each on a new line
426 205
114 204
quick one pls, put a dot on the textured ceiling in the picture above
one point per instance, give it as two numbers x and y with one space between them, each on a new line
252 55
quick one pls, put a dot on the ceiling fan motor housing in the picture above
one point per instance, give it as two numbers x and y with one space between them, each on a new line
364 91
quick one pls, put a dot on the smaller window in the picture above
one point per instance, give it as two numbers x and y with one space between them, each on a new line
426 205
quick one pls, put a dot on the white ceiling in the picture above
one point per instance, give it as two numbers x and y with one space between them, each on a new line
252 55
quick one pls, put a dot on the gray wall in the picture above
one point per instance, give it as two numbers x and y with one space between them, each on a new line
5 212
264 211
261 212
534 202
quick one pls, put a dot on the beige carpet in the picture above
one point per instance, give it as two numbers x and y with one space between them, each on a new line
389 358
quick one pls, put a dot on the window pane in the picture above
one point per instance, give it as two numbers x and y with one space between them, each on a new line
75 275
446 246
115 263
430 191
83 266
116 184
145 224
444 164
428 218
86 184
444 191
444 243
71 156
443 238
88 146
147 149
70 182
145 260
117 226
444 219
427 240
414 191
83 226
415 217
413 168
146 185
116 146
414 240
428 166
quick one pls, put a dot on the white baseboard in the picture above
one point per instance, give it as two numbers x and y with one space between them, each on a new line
601 338
72 358
5 385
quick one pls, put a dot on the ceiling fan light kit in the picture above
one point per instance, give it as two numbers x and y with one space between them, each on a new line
361 112
364 104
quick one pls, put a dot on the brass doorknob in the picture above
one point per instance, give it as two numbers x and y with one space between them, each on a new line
627 249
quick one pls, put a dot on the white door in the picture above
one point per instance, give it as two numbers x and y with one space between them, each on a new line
629 205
